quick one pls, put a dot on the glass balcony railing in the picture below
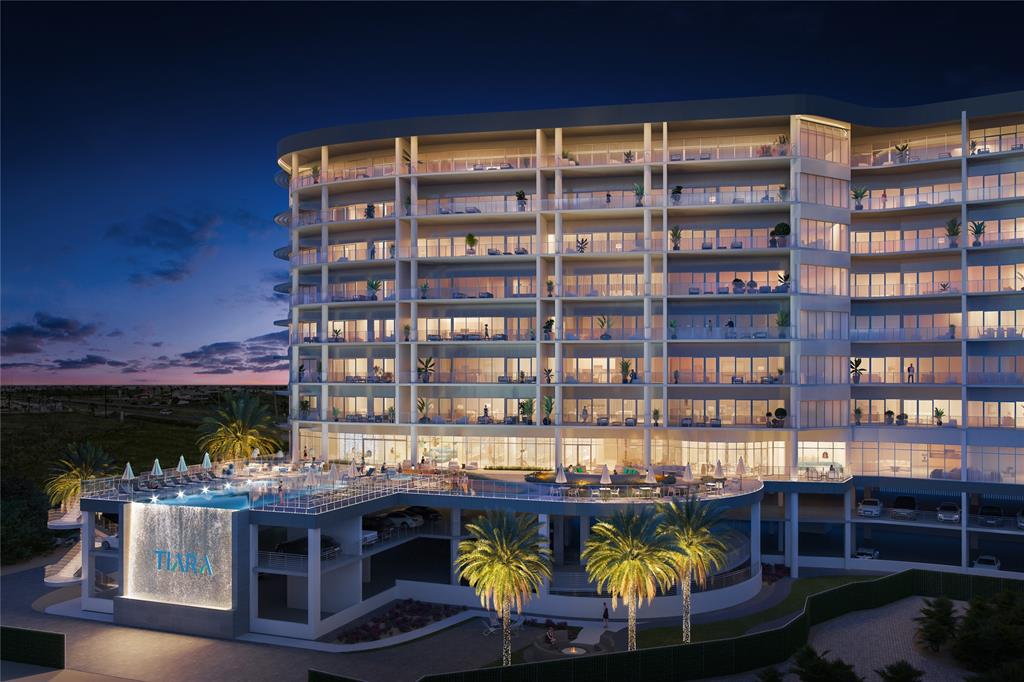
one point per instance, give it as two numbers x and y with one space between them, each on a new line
473 205
946 146
905 378
628 334
724 289
1000 139
435 336
341 336
716 333
603 157
723 149
611 290
993 286
472 161
349 213
335 174
987 332
1012 191
904 289
602 377
346 253
470 377
454 291
604 244
918 334
909 420
698 420
456 248
996 378
361 377
610 199
757 378
915 200
713 243
343 295
995 422
900 245
713 196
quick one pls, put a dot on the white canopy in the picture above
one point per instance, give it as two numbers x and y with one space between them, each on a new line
157 471
649 478
606 478
182 467
741 468
207 464
128 473
718 470
560 476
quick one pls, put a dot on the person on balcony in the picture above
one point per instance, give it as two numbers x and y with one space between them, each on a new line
910 373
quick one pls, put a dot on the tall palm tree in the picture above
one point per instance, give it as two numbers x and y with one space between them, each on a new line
80 461
237 428
505 561
630 559
698 553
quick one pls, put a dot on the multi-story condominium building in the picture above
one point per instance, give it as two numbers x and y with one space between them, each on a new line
810 311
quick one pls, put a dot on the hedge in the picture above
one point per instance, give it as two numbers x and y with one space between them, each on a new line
36 647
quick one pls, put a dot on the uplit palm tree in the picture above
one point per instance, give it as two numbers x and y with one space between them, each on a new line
630 559
242 425
80 461
698 553
505 561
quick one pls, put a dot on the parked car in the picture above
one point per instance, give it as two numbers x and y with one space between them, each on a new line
1020 518
403 519
165 412
865 553
111 542
377 522
948 512
904 507
987 561
427 513
990 515
329 547
370 537
869 506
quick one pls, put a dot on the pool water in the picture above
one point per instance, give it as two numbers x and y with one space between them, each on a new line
219 500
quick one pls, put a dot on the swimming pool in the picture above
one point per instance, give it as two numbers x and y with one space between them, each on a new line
219 500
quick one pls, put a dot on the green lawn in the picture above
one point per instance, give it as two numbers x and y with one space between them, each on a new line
800 590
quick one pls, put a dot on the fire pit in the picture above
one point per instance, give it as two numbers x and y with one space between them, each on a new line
574 651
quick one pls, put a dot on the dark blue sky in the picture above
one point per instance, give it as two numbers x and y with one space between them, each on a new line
138 139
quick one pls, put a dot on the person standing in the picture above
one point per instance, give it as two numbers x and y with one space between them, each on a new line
910 373
604 616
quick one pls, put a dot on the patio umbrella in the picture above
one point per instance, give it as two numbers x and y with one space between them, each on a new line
606 478
128 473
207 464
279 455
718 470
560 476
255 453
182 467
687 472
351 469
157 471
649 478
741 468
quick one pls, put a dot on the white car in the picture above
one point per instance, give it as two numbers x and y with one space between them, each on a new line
948 512
401 519
987 561
865 553
869 506
370 537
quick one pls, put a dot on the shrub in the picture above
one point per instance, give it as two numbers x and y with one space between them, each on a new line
987 629
900 671
937 623
1012 671
810 666
770 675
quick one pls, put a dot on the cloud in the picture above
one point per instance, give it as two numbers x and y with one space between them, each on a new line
264 353
173 240
84 362
23 339
116 332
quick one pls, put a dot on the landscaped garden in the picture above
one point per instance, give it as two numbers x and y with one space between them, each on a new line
404 616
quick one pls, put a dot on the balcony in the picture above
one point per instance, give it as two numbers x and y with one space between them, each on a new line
603 244
930 148
337 377
726 148
698 420
606 334
903 201
904 289
896 246
995 378
993 333
599 157
454 290
918 334
995 421
1004 285
729 333
344 253
487 246
474 205
713 196
471 377
471 161
347 295
344 214
338 415
716 243
600 200
908 379
919 421
463 419
618 290
609 376
722 289
342 336
761 378
1010 191
306 178
474 336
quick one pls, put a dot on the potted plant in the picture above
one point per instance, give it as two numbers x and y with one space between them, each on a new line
628 156
858 194
520 201
857 413
781 373
548 405
533 334
551 288
548 374
781 232
889 416
526 410
336 413
407 329
902 152
783 283
764 150
424 290
977 230
675 376
581 245
426 369
677 194
549 327
471 242
423 407
372 287
304 407
953 231
315 172
738 285
780 417
605 324
408 204
783 145
974 147
369 211
901 419
568 158
638 191
952 331
336 333
302 372
655 415
751 286
768 421
782 322
391 414
676 235
783 194
856 370
673 325
938 414
624 367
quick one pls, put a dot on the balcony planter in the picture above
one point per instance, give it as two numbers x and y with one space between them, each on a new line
858 194
901 419
627 157
521 201
780 417
677 195
781 232
370 211
738 286
856 416
952 232
638 192
889 415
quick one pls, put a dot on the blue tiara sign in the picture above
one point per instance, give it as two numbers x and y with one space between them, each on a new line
189 563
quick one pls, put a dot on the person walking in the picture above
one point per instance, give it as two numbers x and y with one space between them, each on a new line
604 616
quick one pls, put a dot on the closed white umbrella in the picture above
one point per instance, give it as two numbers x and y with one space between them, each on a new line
687 472
606 478
157 471
182 467
279 455
207 464
649 478
351 469
560 476
718 470
128 473
741 468
255 453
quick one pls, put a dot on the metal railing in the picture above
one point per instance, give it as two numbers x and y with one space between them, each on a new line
920 199
904 289
918 334
900 245
725 289
986 332
714 333
903 377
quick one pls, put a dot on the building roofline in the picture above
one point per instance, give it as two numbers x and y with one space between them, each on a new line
616 114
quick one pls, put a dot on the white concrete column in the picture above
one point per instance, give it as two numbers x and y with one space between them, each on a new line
847 525
88 538
794 534
755 537
544 522
558 541
254 583
324 449
313 581
455 529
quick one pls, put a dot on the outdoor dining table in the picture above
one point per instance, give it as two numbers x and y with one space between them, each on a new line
646 492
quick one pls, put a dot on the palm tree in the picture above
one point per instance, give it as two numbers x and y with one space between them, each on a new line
698 552
505 561
80 461
234 431
630 559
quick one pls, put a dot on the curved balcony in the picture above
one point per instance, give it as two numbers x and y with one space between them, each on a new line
361 212
312 297
281 179
345 253
283 252
904 289
64 519
453 292
685 289
283 287
488 246
932 148
474 205
906 201
732 148
284 218
468 163
333 174
282 323
67 570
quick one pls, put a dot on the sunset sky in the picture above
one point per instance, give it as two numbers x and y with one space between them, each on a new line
138 139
